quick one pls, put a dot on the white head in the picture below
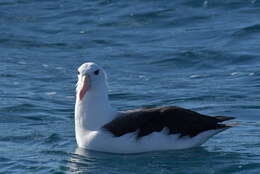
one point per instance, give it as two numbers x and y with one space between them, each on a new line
91 79
92 107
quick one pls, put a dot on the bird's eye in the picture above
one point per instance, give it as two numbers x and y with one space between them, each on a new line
96 72
78 72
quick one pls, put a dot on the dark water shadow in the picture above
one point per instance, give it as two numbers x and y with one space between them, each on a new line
197 160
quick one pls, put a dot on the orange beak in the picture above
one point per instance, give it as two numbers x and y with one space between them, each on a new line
85 87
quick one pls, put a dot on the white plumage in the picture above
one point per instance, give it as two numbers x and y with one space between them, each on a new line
93 111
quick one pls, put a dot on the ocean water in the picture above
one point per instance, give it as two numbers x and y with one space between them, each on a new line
200 54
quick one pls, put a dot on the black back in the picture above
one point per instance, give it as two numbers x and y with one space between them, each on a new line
178 120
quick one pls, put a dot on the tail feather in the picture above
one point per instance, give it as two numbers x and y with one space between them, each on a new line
227 126
232 125
223 118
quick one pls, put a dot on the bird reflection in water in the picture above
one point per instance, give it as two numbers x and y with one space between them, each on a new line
82 161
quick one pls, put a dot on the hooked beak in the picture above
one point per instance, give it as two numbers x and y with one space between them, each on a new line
85 86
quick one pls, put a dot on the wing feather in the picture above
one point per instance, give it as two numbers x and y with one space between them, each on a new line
178 120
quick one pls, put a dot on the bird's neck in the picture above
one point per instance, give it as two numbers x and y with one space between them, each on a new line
93 111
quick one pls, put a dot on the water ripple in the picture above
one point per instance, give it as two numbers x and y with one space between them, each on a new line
202 55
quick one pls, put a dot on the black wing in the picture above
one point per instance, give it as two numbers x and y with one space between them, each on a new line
178 120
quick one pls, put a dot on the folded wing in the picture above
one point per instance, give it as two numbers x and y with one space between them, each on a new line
177 121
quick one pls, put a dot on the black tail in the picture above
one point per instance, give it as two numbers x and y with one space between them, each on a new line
223 118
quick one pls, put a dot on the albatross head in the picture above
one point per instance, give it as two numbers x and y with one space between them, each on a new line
91 79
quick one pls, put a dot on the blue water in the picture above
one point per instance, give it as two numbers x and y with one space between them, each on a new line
203 55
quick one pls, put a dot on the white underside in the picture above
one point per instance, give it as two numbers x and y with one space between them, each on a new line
157 141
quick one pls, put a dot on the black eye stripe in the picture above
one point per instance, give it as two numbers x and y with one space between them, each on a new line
78 72
96 72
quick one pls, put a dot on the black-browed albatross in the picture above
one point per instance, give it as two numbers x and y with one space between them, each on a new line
99 127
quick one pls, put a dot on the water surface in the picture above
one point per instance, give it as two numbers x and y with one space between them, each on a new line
203 55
